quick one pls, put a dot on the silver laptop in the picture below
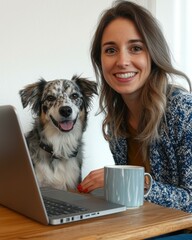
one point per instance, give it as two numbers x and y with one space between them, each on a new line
19 189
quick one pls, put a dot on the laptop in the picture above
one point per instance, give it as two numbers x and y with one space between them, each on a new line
19 189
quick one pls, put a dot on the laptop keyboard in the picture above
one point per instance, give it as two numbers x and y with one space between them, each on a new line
56 207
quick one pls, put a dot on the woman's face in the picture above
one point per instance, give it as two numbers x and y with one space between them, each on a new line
126 63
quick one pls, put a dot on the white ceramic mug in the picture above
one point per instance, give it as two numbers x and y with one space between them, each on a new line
124 184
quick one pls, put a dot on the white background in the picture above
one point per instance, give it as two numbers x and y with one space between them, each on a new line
51 39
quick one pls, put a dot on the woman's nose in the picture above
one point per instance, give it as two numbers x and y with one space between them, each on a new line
123 59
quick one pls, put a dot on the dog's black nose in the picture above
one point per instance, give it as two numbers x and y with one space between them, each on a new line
65 111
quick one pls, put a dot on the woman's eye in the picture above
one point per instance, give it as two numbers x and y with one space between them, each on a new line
74 96
136 49
110 51
50 98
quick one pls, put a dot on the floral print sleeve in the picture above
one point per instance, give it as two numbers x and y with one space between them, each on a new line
170 157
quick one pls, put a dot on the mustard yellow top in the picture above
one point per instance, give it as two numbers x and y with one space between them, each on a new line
134 151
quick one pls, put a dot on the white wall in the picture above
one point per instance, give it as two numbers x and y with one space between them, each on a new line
51 39
176 18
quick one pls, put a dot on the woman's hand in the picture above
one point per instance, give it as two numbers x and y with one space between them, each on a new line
94 180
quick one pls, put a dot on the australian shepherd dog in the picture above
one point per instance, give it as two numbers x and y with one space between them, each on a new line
60 109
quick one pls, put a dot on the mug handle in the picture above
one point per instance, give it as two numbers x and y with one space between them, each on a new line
150 184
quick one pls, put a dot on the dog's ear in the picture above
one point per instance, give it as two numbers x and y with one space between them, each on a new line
31 95
87 87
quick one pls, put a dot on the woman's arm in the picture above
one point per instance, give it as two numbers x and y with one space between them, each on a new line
171 158
94 180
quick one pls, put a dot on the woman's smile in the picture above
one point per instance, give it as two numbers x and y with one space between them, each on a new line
125 77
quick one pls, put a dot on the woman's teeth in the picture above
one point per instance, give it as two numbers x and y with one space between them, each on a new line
125 75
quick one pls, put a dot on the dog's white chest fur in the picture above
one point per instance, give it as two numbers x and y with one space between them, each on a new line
60 169
58 174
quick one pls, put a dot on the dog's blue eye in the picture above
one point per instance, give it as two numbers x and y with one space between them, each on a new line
74 96
50 98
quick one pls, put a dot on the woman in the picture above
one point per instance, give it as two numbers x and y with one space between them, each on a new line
148 118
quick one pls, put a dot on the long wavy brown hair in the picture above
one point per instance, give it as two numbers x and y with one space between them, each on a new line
154 92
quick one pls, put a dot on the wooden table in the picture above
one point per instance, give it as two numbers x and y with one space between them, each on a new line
146 221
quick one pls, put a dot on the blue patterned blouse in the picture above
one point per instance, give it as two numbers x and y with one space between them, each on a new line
170 157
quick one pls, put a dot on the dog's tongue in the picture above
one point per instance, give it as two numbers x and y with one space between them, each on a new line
66 126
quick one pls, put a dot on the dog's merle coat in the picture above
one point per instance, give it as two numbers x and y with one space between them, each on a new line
60 109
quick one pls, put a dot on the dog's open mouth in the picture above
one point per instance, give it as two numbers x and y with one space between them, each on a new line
65 126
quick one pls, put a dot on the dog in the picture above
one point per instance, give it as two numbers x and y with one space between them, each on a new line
60 110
